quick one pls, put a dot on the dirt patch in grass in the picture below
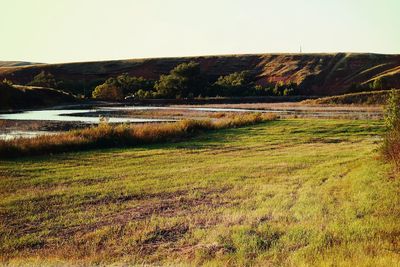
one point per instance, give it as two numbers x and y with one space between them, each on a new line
326 140
163 204
162 236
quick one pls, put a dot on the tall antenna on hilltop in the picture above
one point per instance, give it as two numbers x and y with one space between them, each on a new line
301 51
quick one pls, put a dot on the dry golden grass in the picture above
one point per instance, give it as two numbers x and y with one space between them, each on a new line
283 193
218 115
106 135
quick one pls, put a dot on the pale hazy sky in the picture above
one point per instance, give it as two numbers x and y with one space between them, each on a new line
81 30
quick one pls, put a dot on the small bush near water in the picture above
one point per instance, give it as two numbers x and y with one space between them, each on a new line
105 135
391 146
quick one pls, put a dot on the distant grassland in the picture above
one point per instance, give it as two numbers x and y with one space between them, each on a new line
362 98
290 192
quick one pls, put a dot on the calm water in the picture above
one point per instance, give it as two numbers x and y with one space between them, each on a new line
25 134
73 115
69 115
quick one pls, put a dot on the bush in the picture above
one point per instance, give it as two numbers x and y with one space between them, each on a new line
107 91
122 85
392 110
185 80
235 84
44 79
131 84
391 146
142 94
170 86
379 83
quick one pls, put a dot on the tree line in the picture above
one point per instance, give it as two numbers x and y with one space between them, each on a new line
184 81
187 81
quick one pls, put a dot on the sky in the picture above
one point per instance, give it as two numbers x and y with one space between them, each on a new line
54 31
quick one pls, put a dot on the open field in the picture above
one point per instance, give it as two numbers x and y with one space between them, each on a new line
289 192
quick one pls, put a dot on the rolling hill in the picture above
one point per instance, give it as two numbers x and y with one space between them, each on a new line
316 74
362 98
18 96
16 63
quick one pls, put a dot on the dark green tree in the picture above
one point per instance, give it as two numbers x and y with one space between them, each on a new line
392 110
108 91
169 86
234 84
185 80
379 83
44 79
131 84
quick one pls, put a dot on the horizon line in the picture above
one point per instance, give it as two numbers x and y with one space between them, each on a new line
34 62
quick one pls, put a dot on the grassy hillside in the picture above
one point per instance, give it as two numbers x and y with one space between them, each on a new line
320 74
18 97
16 63
289 192
362 98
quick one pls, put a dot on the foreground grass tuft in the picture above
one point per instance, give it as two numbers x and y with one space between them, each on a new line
105 135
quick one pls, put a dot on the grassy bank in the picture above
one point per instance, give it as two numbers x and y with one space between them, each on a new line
287 192
105 135
362 98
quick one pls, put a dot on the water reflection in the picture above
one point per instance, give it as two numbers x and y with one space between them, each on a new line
70 115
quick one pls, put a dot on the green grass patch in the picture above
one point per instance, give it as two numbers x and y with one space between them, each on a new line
288 192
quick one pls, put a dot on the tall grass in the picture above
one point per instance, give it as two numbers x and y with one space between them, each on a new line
106 136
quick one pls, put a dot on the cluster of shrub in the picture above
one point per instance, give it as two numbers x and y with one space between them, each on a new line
184 81
380 83
391 146
187 81
81 88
